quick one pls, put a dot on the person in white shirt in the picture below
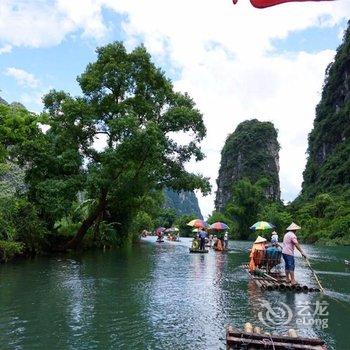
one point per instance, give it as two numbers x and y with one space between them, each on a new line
226 240
274 237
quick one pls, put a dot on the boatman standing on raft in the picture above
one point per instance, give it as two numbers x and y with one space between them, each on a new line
202 235
289 242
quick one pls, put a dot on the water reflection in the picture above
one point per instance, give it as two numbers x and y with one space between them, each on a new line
187 294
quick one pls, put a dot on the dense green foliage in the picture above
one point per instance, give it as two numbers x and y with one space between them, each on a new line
21 230
9 250
324 219
181 223
249 204
96 175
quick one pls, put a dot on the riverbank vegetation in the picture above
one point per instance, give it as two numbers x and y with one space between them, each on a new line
92 168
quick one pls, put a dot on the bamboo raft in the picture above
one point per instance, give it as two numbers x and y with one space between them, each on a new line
198 251
254 338
276 281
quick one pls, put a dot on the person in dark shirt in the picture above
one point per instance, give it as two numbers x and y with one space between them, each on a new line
202 236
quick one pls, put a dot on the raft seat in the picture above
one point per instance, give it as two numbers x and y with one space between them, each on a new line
267 260
273 259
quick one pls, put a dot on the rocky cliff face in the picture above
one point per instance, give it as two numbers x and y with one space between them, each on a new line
184 203
328 166
2 101
251 151
11 175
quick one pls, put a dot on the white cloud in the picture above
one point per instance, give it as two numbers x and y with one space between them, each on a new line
22 77
39 23
86 15
5 49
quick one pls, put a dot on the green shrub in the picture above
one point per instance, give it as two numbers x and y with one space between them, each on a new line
19 222
8 250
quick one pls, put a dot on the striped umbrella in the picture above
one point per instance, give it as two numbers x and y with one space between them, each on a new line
198 223
220 226
261 225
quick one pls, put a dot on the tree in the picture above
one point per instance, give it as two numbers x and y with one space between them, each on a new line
276 214
131 105
18 127
166 217
181 223
247 200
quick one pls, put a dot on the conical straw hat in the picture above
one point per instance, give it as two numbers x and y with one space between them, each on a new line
260 240
293 227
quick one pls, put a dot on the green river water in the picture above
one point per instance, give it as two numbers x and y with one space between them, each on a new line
158 296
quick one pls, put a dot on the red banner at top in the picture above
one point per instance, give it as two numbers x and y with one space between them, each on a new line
260 4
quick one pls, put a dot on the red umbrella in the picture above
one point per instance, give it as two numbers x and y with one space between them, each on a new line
220 226
267 3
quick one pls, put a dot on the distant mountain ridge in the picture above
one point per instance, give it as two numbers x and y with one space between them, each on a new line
183 203
11 175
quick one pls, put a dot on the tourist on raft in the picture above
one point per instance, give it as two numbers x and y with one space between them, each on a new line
257 253
202 236
273 253
290 242
211 237
274 237
159 235
226 240
218 245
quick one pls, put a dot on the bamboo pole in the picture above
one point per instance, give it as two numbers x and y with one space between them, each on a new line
270 277
292 333
318 281
248 327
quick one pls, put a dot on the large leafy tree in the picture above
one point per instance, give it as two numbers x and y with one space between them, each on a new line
116 143
18 127
246 203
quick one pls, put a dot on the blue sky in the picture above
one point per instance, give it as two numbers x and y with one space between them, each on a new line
235 61
312 40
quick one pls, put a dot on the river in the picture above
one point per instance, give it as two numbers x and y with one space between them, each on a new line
158 296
